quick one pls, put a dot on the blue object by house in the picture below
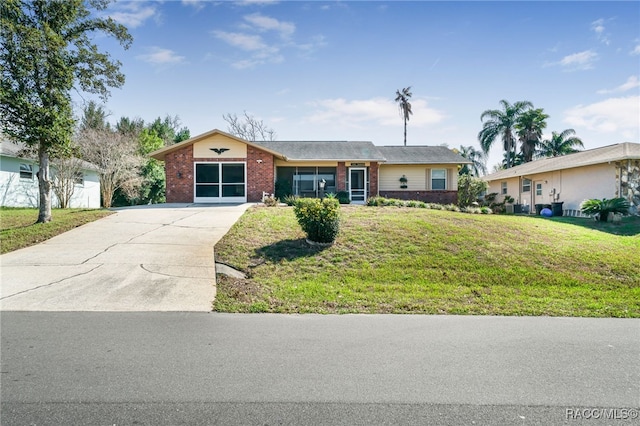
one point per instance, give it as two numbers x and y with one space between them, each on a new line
546 213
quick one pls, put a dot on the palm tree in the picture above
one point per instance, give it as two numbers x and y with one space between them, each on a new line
530 126
478 161
402 97
502 123
560 144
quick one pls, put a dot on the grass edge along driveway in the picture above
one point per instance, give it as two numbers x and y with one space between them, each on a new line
19 230
403 260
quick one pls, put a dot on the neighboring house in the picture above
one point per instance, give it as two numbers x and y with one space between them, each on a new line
216 167
607 172
19 183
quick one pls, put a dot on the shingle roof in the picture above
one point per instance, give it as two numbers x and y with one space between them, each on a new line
17 150
325 150
420 155
606 154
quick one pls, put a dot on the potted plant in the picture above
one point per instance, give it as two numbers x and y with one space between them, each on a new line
403 182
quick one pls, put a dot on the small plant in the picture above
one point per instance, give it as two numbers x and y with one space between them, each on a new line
411 203
602 208
319 219
270 201
485 210
452 208
343 197
290 200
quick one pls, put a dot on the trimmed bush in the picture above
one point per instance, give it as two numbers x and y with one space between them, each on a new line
343 197
319 219
290 200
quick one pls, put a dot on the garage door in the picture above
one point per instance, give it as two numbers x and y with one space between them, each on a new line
220 183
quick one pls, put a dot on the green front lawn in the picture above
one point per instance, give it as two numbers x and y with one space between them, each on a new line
18 228
405 260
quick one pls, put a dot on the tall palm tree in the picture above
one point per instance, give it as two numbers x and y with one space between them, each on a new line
501 123
478 161
402 97
530 125
562 143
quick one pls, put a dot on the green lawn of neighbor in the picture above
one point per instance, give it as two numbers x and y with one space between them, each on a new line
407 260
18 228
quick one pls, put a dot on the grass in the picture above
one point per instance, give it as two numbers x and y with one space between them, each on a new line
18 228
404 260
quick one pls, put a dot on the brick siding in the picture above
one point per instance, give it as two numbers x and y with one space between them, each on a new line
180 179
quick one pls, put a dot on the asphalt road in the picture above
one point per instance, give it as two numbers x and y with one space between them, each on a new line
201 368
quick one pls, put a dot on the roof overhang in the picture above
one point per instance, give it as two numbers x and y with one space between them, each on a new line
161 153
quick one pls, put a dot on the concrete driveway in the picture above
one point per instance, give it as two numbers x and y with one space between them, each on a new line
148 258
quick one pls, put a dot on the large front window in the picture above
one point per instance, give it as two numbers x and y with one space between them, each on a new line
305 181
218 181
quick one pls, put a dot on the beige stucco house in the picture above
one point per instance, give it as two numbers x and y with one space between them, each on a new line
607 172
216 167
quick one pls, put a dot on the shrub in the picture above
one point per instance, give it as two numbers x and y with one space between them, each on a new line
319 219
270 201
485 210
290 200
452 208
411 203
603 207
469 189
343 197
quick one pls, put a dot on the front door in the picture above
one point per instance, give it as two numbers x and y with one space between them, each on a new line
358 185
539 197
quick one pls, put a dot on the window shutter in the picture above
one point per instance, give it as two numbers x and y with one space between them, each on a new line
449 185
428 179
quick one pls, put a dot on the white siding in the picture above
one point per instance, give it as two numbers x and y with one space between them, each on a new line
17 192
418 176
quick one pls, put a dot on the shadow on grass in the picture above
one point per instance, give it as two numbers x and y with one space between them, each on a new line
629 226
288 250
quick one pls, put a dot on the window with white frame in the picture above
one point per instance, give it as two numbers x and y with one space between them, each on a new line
78 178
526 185
503 188
538 189
439 179
26 171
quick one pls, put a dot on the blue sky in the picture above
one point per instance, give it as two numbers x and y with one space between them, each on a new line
329 70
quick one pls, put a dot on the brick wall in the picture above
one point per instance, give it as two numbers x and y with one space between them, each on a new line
260 174
180 180
341 178
179 175
440 197
373 178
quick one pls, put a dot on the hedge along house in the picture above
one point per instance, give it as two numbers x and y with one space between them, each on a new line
606 172
216 167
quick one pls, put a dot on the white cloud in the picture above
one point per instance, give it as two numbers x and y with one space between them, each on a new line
631 83
266 23
196 4
132 15
613 115
256 2
581 60
597 26
160 56
378 111
636 50
243 41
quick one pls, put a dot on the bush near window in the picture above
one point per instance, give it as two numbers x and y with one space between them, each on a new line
319 219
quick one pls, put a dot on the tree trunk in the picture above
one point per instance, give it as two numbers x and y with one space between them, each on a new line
405 132
44 186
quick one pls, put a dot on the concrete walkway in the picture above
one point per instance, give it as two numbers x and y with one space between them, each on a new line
148 258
